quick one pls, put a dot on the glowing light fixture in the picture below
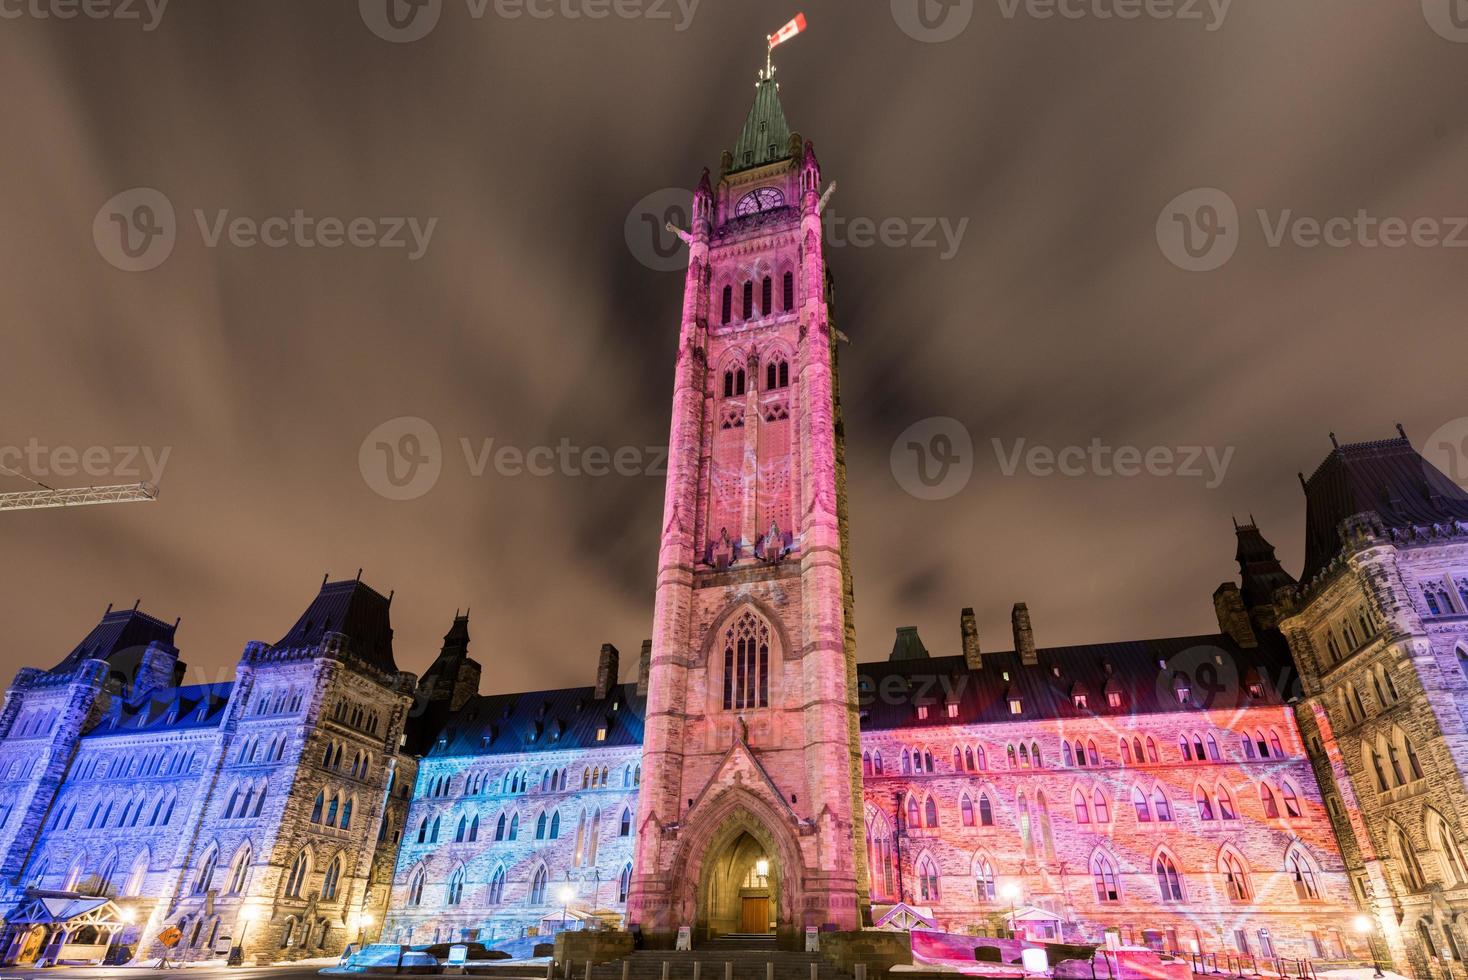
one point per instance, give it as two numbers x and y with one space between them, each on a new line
762 868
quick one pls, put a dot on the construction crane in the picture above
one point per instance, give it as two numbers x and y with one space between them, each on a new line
48 496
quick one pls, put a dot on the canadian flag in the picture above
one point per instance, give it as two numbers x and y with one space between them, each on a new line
787 32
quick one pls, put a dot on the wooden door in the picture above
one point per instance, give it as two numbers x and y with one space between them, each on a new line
756 915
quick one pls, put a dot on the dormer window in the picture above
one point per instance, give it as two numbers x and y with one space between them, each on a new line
922 712
1079 700
1016 706
601 734
953 711
1113 699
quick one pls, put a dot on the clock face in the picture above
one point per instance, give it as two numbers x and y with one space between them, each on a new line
764 199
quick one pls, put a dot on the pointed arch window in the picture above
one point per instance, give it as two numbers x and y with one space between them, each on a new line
1169 882
1226 810
136 876
927 874
1266 796
1406 854
1139 803
1302 875
239 871
1291 799
415 887
1103 874
1236 880
205 876
747 662
332 879
789 304
984 880
966 810
455 893
1100 807
499 828
297 878
1067 758
1160 806
537 886
986 811
930 812
540 826
555 825
748 301
1083 812
1205 805
624 882
624 828
767 296
728 305
497 886
913 817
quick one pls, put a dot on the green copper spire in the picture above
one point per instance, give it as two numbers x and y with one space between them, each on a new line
766 135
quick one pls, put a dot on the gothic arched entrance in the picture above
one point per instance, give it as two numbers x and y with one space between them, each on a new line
739 867
739 889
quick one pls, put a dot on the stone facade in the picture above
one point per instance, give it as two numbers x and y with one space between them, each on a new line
1379 628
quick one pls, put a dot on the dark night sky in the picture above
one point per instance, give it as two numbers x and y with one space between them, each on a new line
529 320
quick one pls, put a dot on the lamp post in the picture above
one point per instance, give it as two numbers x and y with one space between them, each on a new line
363 921
126 917
567 893
1365 928
1011 892
237 951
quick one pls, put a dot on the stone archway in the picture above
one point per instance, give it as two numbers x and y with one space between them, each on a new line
720 845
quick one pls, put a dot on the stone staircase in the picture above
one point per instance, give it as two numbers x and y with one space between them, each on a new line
749 957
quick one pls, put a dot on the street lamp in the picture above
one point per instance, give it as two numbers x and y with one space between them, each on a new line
566 894
237 953
1011 891
363 921
126 916
1364 928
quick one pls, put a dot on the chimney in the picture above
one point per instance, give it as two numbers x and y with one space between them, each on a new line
644 666
1024 636
969 627
606 671
1233 618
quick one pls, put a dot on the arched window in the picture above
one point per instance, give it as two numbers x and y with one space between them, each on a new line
1373 766
514 828
463 829
332 879
1236 881
1463 653
624 829
1151 750
981 757
877 763
1083 812
136 876
1160 806
415 887
555 827
986 811
1168 880
239 870
790 305
288 932
624 882
866 764
1205 805
1291 799
968 758
927 875
1139 803
1266 796
913 817
205 876
966 810
747 662
984 879
297 878
497 886
767 296
1024 756
1091 752
1213 752
1100 808
541 822
1445 843
331 808
499 828
1126 753
930 812
728 305
1103 873
748 301
455 893
1406 855
1226 810
1067 759
537 886
1302 874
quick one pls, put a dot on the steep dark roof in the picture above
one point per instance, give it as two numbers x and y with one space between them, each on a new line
766 135
1388 477
436 688
542 721
354 610
1260 572
1146 673
168 709
120 639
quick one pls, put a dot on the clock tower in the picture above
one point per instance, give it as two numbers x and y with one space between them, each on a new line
750 811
